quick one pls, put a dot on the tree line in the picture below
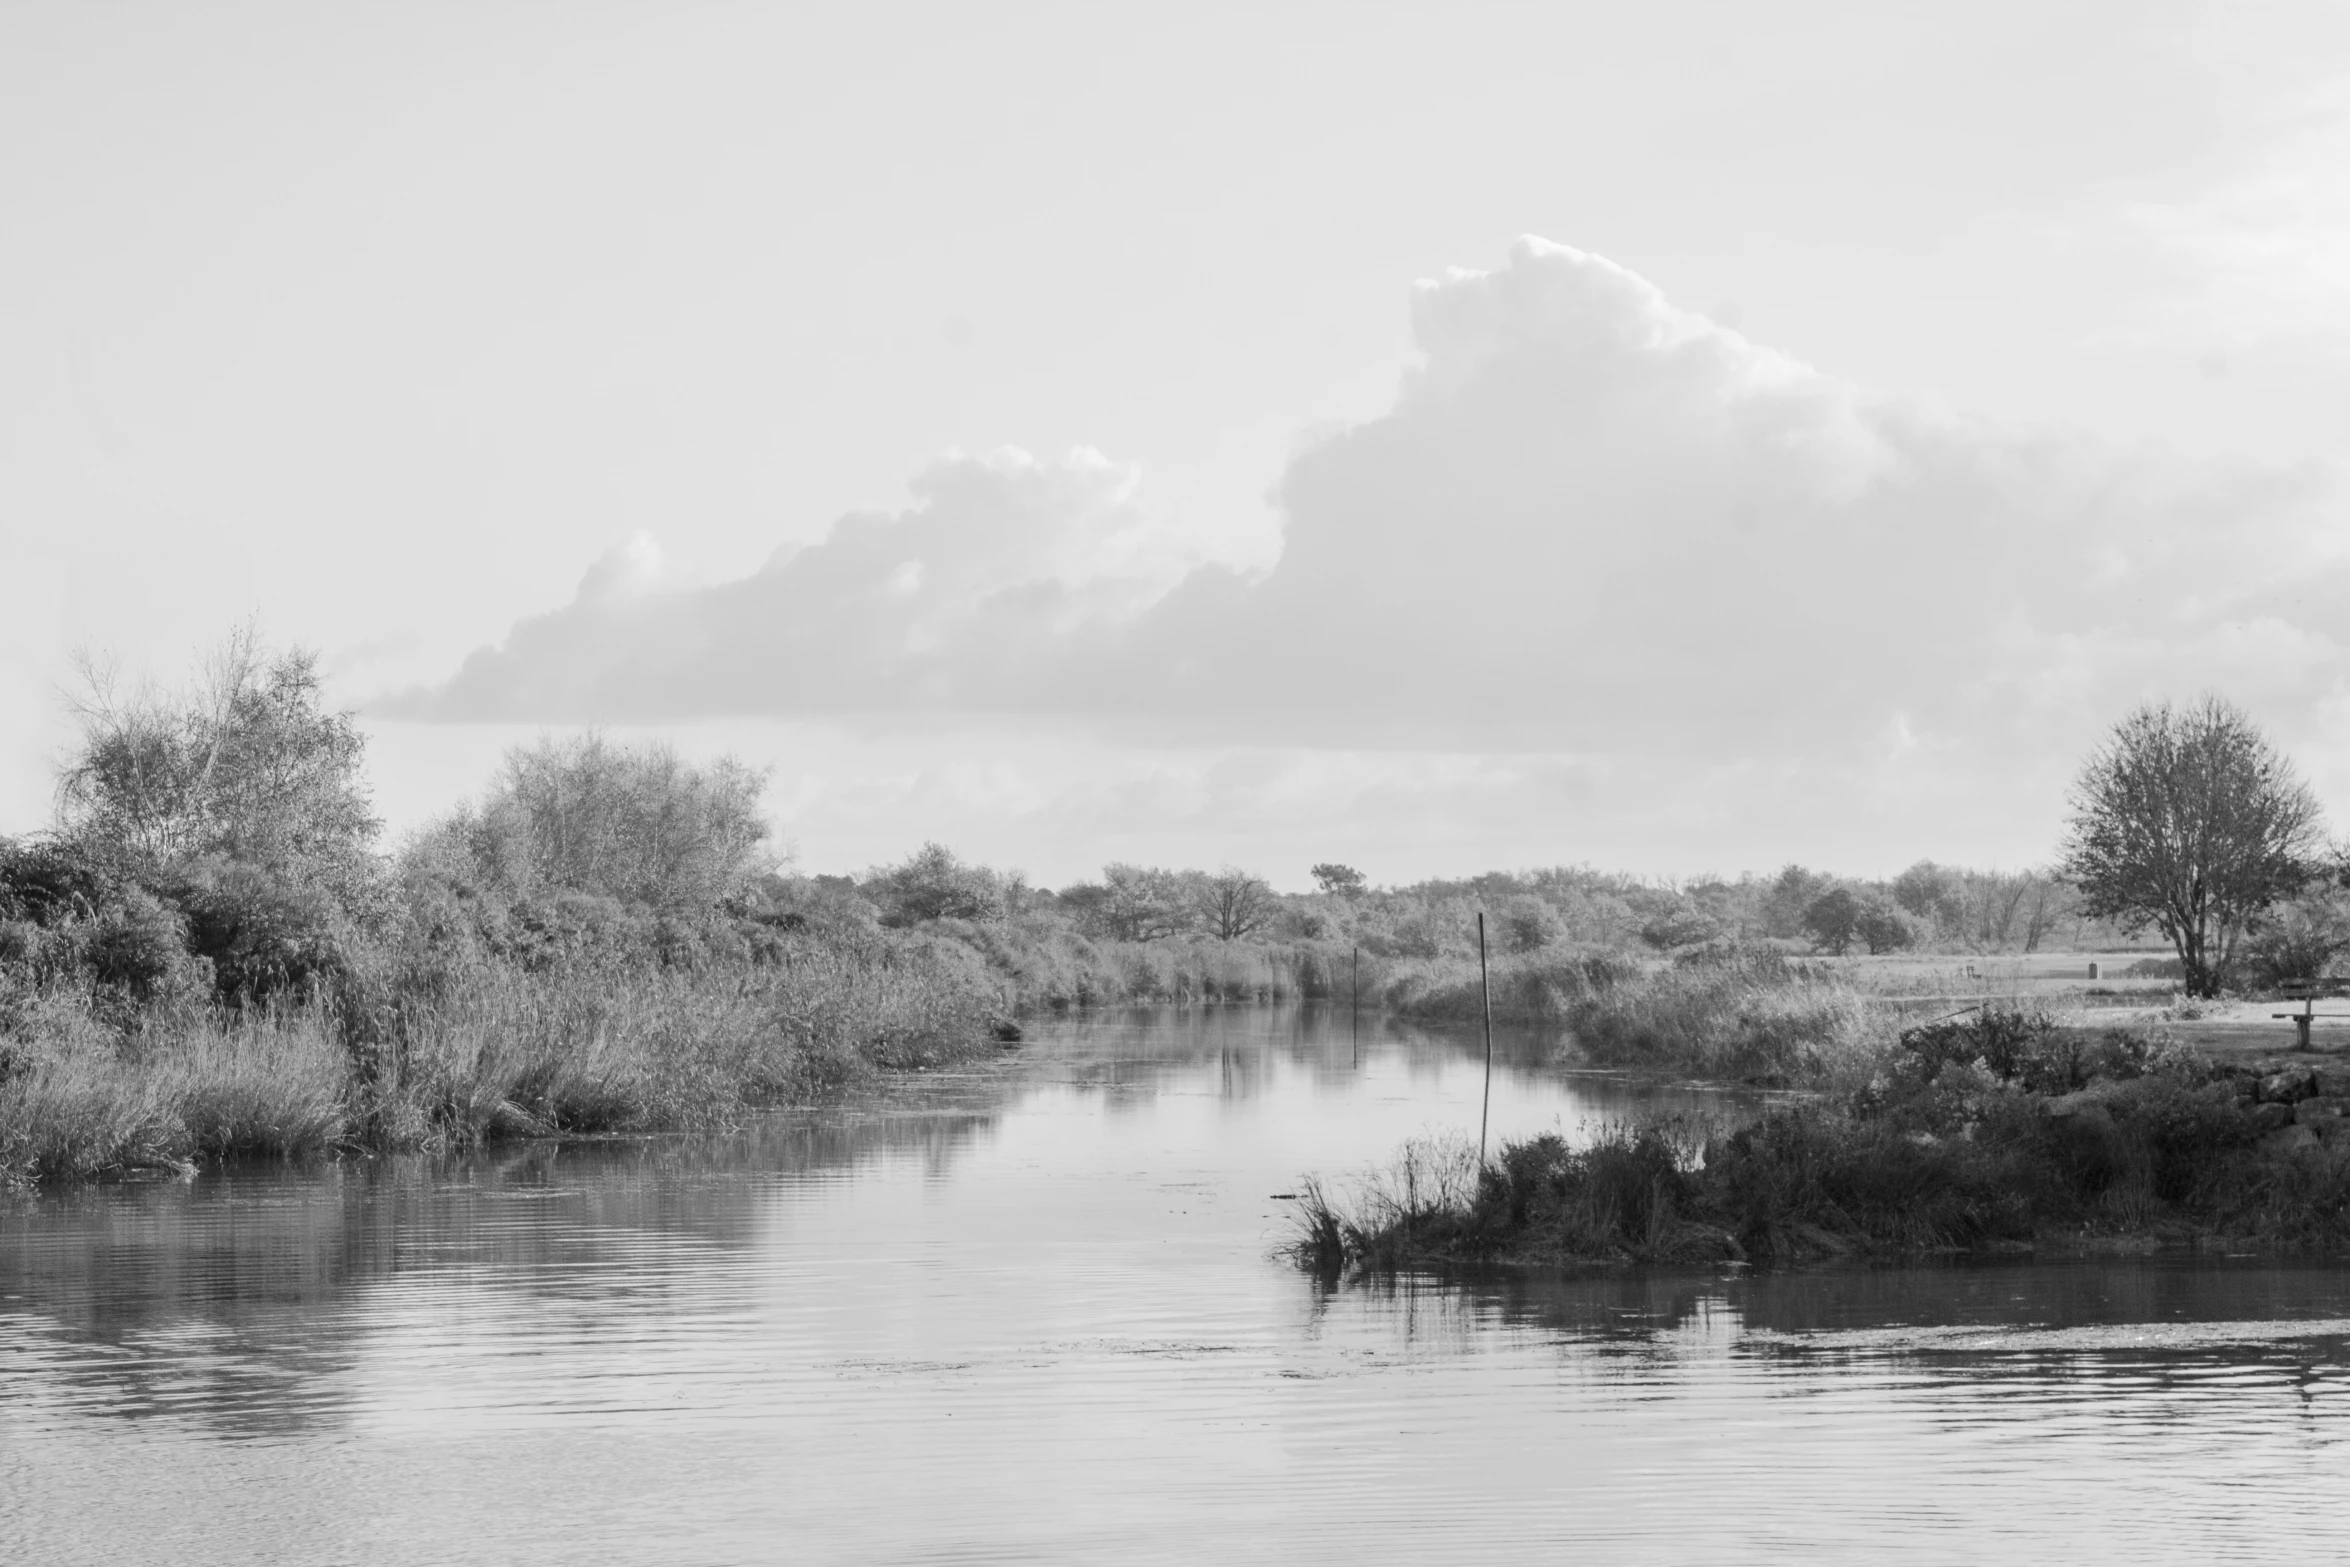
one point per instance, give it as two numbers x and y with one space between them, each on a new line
220 838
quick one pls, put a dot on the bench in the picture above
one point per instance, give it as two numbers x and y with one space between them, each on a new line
2307 992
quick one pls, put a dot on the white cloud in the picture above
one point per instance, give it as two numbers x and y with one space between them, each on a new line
1593 530
999 555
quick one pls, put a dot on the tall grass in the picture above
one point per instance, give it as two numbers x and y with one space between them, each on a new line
77 1101
1737 1012
1042 964
1735 1020
1540 987
453 1058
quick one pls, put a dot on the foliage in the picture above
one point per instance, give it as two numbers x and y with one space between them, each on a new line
1526 924
2130 1136
1335 879
2306 937
633 823
1833 920
264 937
1132 903
245 765
2189 820
1787 902
933 883
1682 925
52 882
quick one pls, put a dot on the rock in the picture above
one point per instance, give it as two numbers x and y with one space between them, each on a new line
2270 1118
2287 1087
2333 1082
2229 1091
2309 1111
2291 1140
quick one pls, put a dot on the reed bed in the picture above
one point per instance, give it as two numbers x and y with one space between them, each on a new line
462 1057
1044 965
1733 1013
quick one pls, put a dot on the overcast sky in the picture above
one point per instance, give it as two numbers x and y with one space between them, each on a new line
1680 437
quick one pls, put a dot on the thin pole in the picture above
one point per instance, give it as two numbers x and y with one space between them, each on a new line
1485 989
1355 1027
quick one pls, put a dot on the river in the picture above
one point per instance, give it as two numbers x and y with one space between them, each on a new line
1030 1313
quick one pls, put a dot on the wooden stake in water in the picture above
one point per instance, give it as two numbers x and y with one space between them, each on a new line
1485 990
1355 1026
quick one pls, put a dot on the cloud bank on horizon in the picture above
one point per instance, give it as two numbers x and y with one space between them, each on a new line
1592 526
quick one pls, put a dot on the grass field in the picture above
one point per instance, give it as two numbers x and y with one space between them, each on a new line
2063 984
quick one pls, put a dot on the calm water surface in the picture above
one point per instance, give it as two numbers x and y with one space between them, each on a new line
1029 1314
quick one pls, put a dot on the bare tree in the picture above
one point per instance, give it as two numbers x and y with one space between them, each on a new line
2189 820
1232 903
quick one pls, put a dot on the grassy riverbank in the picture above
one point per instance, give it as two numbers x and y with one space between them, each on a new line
478 1054
1995 1133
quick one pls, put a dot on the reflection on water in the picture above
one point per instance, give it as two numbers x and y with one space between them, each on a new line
1028 1312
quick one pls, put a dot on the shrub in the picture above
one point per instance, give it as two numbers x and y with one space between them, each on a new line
933 883
2303 939
53 883
264 938
635 824
2006 1040
139 946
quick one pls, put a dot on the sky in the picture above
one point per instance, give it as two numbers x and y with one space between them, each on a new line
1683 438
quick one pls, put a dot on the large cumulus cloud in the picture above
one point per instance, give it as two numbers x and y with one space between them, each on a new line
1591 523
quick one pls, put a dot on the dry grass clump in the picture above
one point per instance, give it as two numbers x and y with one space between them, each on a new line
1537 987
1754 1019
77 1100
1729 1012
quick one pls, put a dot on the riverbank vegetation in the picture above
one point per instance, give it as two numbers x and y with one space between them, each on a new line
212 949
208 954
2002 1131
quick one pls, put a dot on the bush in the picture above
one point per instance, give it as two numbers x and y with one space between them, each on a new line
51 883
2303 939
263 937
635 824
139 945
2005 1040
1807 1180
